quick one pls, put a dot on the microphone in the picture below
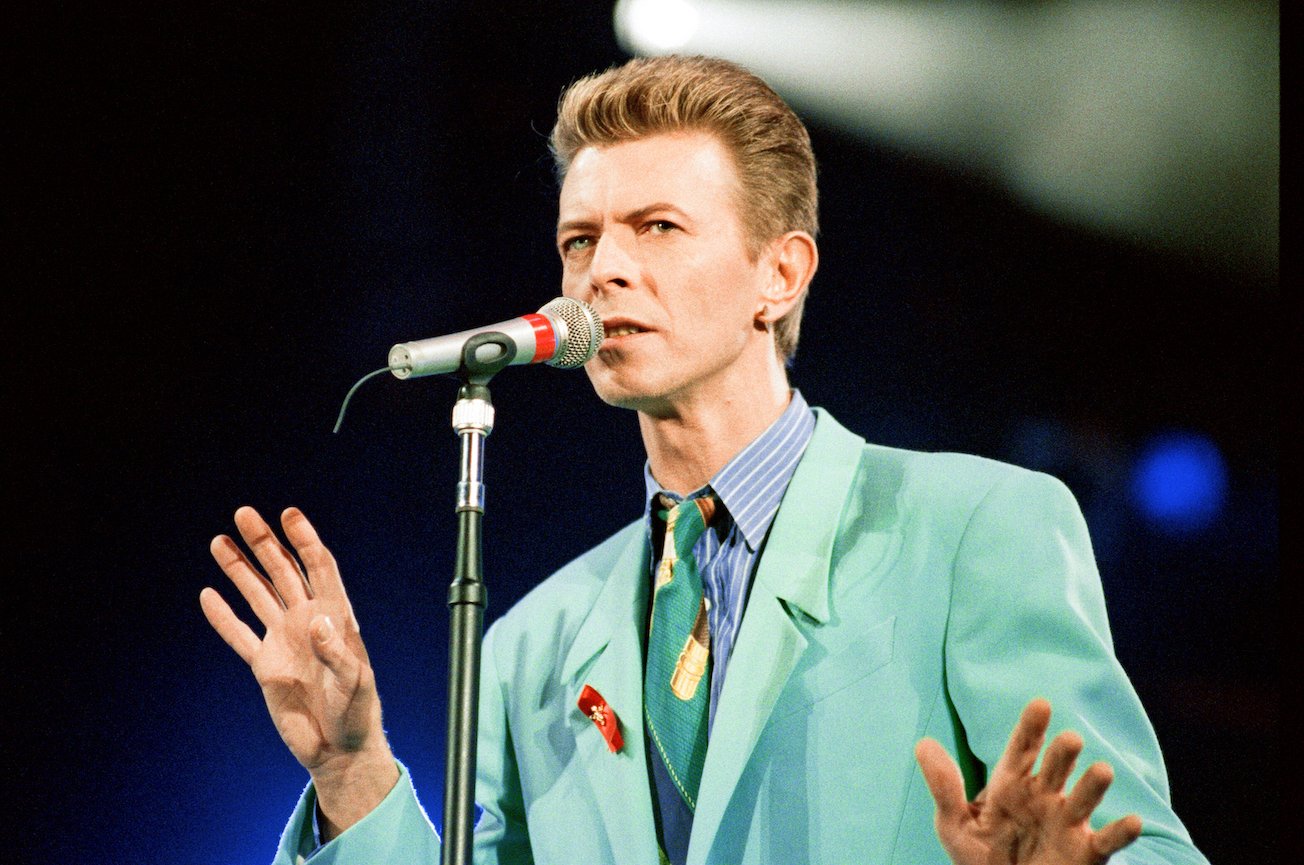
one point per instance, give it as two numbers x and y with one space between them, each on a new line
564 333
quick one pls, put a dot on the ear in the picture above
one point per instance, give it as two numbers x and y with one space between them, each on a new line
793 259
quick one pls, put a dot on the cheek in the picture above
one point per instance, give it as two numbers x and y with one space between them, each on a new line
733 296
572 285
710 283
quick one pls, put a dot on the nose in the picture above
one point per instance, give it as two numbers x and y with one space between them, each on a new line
614 264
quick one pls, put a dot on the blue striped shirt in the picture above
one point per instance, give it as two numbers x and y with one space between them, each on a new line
750 487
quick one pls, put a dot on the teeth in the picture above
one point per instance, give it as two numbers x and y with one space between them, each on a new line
622 331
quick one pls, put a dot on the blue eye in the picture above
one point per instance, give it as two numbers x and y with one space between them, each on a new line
574 244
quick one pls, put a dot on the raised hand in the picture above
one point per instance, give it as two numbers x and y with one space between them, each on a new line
310 663
1021 817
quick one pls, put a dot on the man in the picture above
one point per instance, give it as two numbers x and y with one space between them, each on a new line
851 600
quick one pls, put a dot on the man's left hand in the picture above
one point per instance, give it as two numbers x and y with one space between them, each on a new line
1021 817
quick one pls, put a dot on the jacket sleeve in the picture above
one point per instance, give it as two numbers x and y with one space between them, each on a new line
1027 618
398 832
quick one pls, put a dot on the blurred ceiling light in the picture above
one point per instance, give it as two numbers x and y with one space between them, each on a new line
655 26
1153 120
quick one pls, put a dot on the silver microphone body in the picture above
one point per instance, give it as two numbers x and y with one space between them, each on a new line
564 333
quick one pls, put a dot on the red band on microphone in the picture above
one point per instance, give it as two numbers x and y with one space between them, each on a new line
545 339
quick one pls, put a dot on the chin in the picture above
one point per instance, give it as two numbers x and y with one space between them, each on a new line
638 396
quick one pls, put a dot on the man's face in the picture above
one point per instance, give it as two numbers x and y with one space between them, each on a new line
650 235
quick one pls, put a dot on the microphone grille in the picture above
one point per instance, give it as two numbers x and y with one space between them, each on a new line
584 331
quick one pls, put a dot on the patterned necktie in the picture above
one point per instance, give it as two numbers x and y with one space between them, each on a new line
677 683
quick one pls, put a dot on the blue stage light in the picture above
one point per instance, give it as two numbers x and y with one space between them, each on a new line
1180 482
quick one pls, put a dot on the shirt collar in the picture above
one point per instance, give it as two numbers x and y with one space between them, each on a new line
752 483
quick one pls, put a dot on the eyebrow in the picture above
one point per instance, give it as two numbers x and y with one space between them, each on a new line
631 216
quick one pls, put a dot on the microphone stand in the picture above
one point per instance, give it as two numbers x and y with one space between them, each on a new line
473 417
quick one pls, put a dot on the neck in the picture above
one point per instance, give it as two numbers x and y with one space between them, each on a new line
687 446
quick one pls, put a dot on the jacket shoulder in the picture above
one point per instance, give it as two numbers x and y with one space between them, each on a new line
946 485
901 477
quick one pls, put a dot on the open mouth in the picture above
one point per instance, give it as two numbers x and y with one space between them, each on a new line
623 330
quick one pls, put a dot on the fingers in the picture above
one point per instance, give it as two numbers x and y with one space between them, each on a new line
255 588
1117 835
228 626
276 560
1088 792
1061 757
1026 740
944 781
330 649
323 572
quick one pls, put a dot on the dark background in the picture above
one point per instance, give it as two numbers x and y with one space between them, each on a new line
223 214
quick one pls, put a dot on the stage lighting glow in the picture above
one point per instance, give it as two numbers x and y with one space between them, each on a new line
1180 482
1142 117
656 26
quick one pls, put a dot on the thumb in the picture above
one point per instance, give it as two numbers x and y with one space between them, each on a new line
328 646
944 781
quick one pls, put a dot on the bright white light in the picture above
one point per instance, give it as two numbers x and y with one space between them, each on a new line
656 26
1152 119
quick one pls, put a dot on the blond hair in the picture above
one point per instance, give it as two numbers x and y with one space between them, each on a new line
769 145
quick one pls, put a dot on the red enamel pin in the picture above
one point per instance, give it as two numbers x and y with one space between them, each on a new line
595 708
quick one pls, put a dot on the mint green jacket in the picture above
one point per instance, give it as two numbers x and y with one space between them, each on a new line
899 595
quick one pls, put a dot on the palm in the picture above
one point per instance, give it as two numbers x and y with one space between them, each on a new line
303 696
1021 817
1043 836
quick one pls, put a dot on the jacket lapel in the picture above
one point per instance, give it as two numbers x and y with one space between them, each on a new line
608 655
792 580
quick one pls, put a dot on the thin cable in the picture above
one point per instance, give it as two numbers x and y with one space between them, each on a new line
348 396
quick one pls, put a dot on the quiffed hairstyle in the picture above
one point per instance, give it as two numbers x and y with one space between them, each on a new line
770 146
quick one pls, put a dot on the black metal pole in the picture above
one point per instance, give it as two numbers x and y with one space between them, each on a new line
473 419
466 603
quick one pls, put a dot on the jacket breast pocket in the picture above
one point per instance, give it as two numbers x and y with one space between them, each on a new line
844 667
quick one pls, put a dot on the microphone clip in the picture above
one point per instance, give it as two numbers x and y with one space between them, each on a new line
484 356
